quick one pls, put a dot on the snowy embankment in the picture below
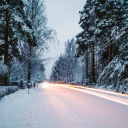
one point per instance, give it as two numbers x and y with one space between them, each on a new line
115 75
6 90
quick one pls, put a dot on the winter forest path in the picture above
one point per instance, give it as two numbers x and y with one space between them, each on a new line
54 106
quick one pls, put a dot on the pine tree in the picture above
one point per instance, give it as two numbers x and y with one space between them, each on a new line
108 22
86 40
116 72
16 26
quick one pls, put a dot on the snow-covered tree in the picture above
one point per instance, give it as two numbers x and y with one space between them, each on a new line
115 74
104 34
108 21
15 26
23 36
86 40
67 68
36 11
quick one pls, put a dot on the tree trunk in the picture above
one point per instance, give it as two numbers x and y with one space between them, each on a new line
29 72
93 64
86 63
6 47
29 63
110 52
30 47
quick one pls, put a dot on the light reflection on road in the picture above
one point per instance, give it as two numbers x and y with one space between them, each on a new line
102 95
97 92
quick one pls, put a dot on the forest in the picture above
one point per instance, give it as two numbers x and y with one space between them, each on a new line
24 38
98 55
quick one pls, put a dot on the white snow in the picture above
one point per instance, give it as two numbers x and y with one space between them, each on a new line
117 66
60 107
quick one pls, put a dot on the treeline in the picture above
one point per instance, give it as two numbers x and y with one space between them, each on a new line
103 43
67 68
23 39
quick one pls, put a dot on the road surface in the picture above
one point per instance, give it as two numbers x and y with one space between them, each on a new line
54 106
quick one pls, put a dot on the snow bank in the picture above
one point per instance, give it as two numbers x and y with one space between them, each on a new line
6 90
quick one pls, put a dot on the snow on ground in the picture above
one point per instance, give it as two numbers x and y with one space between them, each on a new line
60 107
23 110
6 90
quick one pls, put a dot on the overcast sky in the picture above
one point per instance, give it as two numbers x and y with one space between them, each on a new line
63 16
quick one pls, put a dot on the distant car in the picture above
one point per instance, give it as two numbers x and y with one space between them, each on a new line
60 82
73 83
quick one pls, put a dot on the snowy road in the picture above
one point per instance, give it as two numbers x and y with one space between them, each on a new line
60 107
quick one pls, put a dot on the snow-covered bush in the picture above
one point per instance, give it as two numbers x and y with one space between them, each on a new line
3 69
7 90
3 72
